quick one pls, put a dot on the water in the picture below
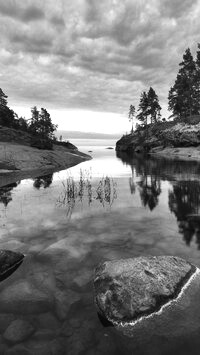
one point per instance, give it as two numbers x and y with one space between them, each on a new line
121 207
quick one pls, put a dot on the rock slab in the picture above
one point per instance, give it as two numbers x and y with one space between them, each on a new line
126 290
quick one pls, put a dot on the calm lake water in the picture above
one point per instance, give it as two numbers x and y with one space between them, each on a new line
65 223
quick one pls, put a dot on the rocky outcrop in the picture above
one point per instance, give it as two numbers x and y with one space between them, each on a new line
126 290
166 134
9 262
28 160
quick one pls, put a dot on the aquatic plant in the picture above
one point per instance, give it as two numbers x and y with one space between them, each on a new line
86 189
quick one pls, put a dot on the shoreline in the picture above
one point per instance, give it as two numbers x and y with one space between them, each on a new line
19 161
179 153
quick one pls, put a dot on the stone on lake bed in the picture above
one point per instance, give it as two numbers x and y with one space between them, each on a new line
9 262
18 331
23 297
126 290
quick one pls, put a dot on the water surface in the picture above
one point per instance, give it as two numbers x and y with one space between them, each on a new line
149 207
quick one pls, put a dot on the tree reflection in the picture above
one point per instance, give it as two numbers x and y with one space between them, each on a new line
149 173
150 189
184 202
5 193
43 181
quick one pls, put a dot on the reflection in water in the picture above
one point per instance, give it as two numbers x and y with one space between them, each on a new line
184 202
5 193
73 192
43 181
150 189
150 182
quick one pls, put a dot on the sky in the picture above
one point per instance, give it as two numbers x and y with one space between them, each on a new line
86 61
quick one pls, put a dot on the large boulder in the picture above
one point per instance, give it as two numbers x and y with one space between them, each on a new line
126 290
9 262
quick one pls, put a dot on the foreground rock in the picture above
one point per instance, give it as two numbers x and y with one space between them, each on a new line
126 290
9 262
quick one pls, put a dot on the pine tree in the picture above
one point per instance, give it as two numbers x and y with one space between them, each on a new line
34 121
7 116
41 123
197 81
182 96
131 115
154 107
143 108
3 100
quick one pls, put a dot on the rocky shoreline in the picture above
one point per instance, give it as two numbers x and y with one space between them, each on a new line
22 161
165 139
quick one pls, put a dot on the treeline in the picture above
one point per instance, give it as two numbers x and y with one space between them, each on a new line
183 97
39 124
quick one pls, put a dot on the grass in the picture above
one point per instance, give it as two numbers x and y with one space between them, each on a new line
85 189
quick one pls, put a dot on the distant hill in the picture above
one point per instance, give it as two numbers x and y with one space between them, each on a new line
67 135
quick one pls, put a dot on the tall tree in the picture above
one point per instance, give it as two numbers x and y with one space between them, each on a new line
3 100
131 116
7 116
182 96
47 128
143 108
34 121
154 107
197 80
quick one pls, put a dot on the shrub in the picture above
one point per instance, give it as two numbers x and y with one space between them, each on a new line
41 143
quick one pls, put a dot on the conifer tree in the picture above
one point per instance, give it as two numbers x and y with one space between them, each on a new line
143 108
131 115
197 81
3 100
154 107
34 121
7 116
182 96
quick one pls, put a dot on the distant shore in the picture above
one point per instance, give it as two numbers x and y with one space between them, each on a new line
23 160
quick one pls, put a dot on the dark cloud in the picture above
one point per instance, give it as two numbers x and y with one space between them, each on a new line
32 43
176 8
13 9
98 54
58 22
32 13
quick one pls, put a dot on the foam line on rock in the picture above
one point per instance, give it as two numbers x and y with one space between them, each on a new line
159 312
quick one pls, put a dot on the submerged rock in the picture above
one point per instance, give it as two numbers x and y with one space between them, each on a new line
23 297
126 290
18 331
9 262
63 301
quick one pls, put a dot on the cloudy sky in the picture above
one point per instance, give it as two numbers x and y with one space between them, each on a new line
86 61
